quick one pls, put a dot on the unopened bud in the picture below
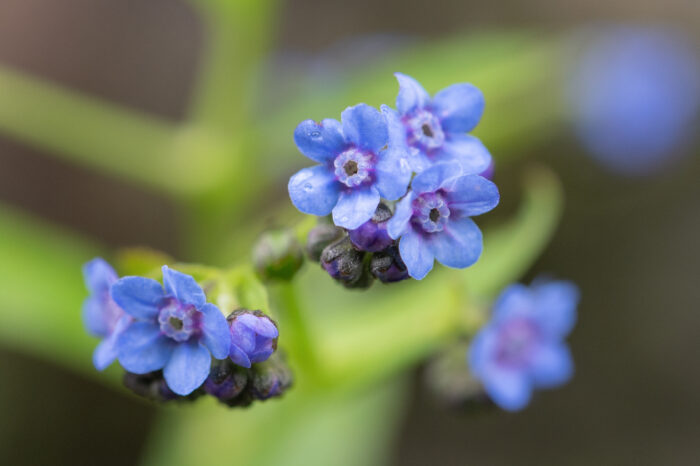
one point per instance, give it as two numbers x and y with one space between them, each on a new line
277 255
319 237
270 379
346 264
387 266
372 236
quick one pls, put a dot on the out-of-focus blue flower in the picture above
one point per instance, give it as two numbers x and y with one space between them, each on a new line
523 347
356 167
174 329
635 97
253 337
102 316
372 236
433 220
433 130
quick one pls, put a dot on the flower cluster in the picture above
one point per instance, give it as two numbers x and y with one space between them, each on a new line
523 347
418 155
166 336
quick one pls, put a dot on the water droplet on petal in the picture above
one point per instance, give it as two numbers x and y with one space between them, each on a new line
315 134
308 187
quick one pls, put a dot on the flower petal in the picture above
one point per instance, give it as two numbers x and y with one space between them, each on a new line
459 107
138 296
556 306
215 331
415 254
468 151
396 129
472 195
411 94
481 350
393 172
99 275
515 300
365 126
320 142
239 357
509 389
106 352
314 190
94 316
141 348
260 325
552 365
188 368
403 211
435 177
459 245
355 207
183 287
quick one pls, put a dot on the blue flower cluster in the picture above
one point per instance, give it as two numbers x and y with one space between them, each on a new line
169 330
417 154
523 347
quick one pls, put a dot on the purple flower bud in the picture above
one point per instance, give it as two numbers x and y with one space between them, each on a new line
346 264
388 267
253 337
270 379
226 381
321 236
371 236
152 386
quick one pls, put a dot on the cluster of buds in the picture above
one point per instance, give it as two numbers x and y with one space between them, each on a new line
356 257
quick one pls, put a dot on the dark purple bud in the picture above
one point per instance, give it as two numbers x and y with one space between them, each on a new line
372 236
346 264
226 380
253 337
152 386
387 266
488 173
270 379
277 255
321 236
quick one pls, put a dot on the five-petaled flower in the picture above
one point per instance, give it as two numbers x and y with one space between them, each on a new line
357 167
523 347
253 337
433 219
101 315
174 329
433 130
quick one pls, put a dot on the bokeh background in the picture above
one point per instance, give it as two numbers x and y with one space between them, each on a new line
629 241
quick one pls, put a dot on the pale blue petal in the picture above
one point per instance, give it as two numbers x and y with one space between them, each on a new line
466 150
314 190
366 127
260 325
481 351
459 107
435 177
242 336
393 172
138 296
511 390
215 331
320 142
106 352
552 365
183 287
95 318
411 94
471 195
403 211
239 357
397 130
188 368
98 275
459 245
415 254
355 207
555 304
142 348
515 300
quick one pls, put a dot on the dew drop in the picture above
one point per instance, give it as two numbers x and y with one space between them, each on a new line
315 134
308 187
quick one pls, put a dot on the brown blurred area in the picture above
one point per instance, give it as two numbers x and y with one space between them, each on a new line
631 244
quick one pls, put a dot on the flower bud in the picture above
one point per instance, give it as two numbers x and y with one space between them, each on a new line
372 236
270 379
277 255
152 386
226 380
319 237
253 337
346 264
387 266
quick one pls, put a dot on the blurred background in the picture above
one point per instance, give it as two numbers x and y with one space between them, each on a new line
626 149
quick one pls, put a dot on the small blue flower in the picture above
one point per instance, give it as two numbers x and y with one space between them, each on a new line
433 130
253 337
174 329
102 316
356 167
433 219
523 347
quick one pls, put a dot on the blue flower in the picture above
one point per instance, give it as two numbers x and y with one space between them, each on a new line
253 337
635 97
102 316
433 130
174 329
523 347
433 219
356 167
